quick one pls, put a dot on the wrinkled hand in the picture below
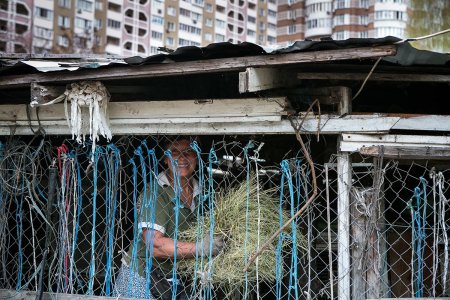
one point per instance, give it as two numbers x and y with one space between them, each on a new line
217 245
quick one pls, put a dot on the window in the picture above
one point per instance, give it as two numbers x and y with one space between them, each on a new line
364 19
157 20
83 23
271 26
171 11
196 17
191 29
251 32
64 3
318 23
262 25
113 24
157 35
98 40
261 12
220 37
209 23
198 2
185 12
339 20
63 21
99 5
44 13
84 5
341 4
43 33
208 7
251 19
363 34
364 3
169 41
208 37
271 39
183 42
4 5
170 26
291 29
220 23
63 41
272 13
98 23
390 15
341 35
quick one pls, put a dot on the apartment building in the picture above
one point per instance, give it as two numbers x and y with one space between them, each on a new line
340 19
132 27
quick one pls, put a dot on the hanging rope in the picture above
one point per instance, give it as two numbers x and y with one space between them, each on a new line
419 213
88 97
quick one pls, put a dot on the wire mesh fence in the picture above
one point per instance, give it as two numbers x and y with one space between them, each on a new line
85 222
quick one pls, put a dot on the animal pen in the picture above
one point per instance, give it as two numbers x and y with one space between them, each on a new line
343 144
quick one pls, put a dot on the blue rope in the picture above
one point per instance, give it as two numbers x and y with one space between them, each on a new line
112 174
249 145
176 200
97 153
293 269
150 203
419 234
133 262
200 214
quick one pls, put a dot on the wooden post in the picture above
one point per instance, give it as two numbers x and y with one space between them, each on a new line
344 184
358 226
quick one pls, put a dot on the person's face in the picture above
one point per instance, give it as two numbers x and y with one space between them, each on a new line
186 157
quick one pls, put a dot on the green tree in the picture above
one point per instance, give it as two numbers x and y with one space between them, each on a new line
427 17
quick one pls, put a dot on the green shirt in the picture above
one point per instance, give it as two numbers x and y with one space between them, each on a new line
164 215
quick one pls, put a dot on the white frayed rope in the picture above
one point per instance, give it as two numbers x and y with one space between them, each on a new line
88 111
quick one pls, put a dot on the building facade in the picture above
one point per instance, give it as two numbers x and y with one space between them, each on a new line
132 27
340 19
141 27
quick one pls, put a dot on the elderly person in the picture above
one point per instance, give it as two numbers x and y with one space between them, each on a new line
159 233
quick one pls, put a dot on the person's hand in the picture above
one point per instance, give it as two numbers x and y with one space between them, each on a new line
217 245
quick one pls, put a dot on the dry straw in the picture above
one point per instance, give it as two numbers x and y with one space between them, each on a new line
230 220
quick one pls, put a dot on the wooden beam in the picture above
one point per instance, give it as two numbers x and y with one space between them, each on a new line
344 176
393 152
260 79
329 124
354 142
393 77
145 111
196 67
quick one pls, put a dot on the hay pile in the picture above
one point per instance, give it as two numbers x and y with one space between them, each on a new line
230 219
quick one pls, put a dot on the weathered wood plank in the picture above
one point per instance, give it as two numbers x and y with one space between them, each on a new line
354 142
260 79
205 108
344 175
393 152
196 67
375 77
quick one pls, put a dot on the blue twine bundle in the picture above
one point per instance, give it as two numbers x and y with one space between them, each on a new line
418 234
200 213
149 202
177 204
98 152
111 163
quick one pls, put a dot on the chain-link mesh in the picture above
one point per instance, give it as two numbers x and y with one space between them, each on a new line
76 220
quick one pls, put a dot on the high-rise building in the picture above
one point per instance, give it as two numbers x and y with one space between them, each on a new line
132 27
340 19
